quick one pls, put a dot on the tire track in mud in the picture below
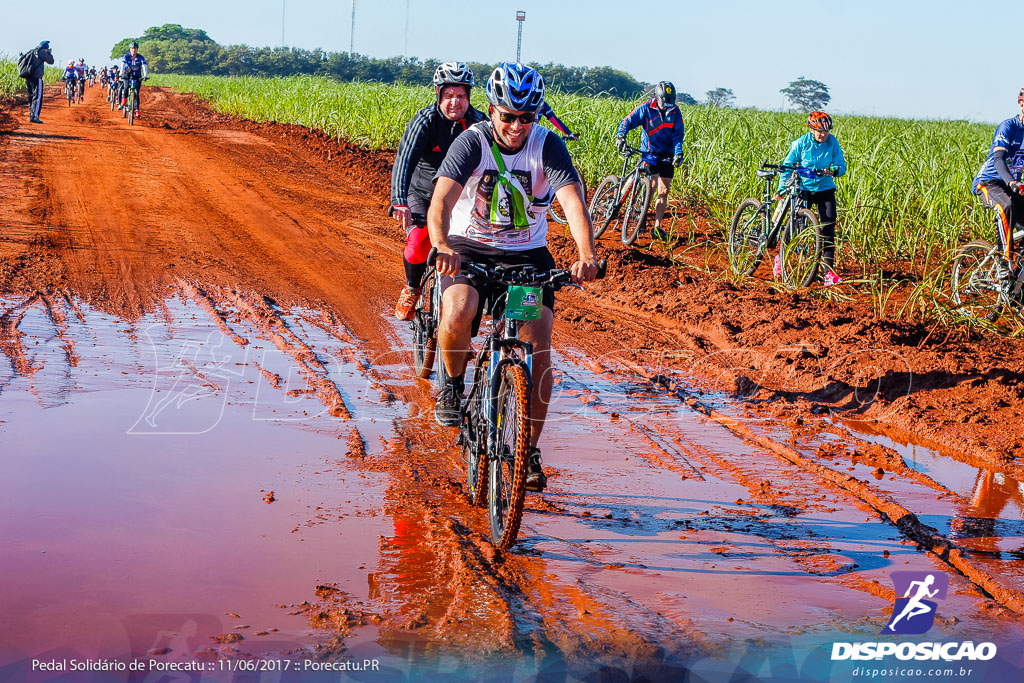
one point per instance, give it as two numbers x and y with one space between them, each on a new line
926 537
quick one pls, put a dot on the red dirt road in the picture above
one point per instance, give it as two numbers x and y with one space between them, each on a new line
705 491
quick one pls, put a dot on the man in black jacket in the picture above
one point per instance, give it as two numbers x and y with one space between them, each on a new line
41 56
422 149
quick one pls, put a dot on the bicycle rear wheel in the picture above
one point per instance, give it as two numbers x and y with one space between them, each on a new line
603 206
976 289
474 440
424 328
746 237
636 210
507 484
555 210
801 249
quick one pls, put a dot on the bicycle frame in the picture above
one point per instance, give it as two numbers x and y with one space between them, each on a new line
791 199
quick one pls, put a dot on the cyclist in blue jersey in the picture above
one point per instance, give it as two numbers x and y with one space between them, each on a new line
998 182
819 150
661 142
133 67
70 78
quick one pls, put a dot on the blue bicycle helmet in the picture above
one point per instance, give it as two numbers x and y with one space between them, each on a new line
516 87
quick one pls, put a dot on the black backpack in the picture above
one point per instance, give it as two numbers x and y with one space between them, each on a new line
25 64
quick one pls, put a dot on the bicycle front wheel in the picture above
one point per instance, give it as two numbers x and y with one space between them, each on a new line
424 328
507 485
746 237
976 288
801 249
474 440
636 210
603 204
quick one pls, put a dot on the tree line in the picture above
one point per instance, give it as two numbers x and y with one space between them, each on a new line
173 49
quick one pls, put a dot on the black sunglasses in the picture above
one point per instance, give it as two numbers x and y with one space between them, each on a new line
528 117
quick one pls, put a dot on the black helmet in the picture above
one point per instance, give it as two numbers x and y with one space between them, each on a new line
134 44
665 94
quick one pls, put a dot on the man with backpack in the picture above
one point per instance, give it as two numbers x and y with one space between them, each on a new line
31 66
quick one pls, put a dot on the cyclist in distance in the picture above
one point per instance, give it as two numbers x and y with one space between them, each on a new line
661 143
421 150
819 150
83 75
70 77
998 182
490 206
133 66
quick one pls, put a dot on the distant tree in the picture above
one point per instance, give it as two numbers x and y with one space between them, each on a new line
806 94
720 97
173 49
685 98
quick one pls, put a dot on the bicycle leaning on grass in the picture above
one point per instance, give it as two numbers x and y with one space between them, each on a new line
986 281
762 224
494 431
555 209
628 194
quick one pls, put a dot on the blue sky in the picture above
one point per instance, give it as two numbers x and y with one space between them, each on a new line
941 59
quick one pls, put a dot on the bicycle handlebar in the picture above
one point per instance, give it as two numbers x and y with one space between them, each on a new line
802 170
527 275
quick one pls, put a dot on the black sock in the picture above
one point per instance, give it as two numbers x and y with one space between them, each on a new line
414 273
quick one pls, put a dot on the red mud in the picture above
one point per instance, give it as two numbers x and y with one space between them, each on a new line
263 225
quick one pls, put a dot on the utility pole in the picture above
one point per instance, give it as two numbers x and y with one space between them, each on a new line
282 21
520 17
352 35
406 53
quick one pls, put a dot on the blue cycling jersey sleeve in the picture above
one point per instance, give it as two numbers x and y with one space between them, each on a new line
1006 143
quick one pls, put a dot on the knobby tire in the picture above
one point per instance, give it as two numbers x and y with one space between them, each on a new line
474 440
507 485
603 204
555 210
636 210
424 328
747 237
975 290
801 249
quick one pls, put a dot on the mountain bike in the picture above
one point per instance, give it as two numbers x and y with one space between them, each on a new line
69 90
494 432
132 96
760 224
630 189
555 209
984 283
112 91
81 89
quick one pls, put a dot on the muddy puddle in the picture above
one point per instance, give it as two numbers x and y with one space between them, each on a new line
225 479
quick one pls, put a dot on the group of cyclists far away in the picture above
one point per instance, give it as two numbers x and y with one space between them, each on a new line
121 81
473 190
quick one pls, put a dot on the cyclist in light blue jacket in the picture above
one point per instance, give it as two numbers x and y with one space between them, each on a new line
818 149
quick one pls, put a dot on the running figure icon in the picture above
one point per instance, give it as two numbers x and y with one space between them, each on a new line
915 612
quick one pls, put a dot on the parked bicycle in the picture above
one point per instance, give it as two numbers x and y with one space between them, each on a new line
630 189
985 283
555 209
762 224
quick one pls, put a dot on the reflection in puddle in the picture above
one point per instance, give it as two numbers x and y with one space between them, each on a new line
990 517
